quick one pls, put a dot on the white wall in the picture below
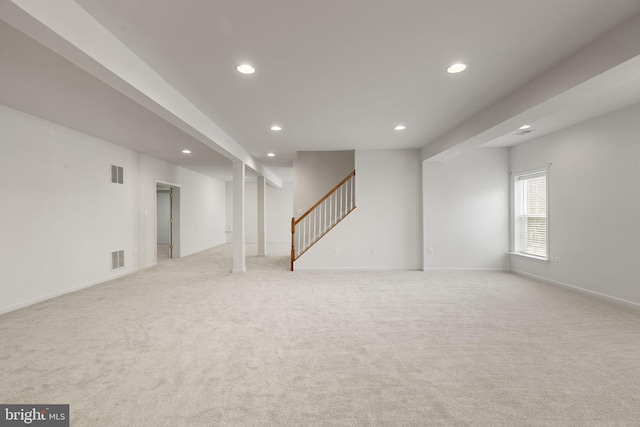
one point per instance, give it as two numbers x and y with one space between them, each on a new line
387 218
62 217
594 204
466 207
202 206
315 173
279 205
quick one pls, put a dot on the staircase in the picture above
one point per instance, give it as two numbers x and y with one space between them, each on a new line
323 216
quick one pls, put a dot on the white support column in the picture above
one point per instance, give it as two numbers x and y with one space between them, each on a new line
262 218
239 265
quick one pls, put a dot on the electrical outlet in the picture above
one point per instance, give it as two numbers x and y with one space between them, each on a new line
557 260
430 251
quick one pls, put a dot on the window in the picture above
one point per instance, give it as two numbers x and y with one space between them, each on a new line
531 226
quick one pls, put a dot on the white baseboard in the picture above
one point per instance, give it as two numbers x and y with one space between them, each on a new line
356 269
616 300
464 270
71 289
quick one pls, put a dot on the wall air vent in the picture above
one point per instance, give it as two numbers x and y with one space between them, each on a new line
117 260
117 174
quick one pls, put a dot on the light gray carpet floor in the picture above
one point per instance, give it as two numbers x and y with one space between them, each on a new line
187 343
163 253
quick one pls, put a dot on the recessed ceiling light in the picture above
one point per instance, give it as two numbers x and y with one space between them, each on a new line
245 69
276 128
523 127
456 68
271 155
186 151
400 127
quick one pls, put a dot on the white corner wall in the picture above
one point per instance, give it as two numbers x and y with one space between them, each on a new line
594 205
278 212
202 207
62 217
385 230
466 208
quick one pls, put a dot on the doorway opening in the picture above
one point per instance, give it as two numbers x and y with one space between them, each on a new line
167 221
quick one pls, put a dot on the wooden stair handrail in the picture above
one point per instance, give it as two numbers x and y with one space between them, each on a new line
326 196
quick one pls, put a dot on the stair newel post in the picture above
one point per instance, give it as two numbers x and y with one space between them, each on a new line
293 233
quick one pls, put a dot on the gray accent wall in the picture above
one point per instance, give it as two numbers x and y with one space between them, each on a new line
315 173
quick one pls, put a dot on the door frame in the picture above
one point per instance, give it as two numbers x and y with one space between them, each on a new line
175 249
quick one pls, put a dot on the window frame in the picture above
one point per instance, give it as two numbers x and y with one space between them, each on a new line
517 228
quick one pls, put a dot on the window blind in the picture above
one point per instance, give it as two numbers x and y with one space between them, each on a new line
534 214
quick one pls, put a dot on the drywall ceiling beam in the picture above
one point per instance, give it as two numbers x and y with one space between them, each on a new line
67 29
604 65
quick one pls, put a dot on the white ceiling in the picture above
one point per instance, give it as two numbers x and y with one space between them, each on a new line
335 74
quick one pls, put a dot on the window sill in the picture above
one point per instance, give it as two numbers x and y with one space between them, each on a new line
531 257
